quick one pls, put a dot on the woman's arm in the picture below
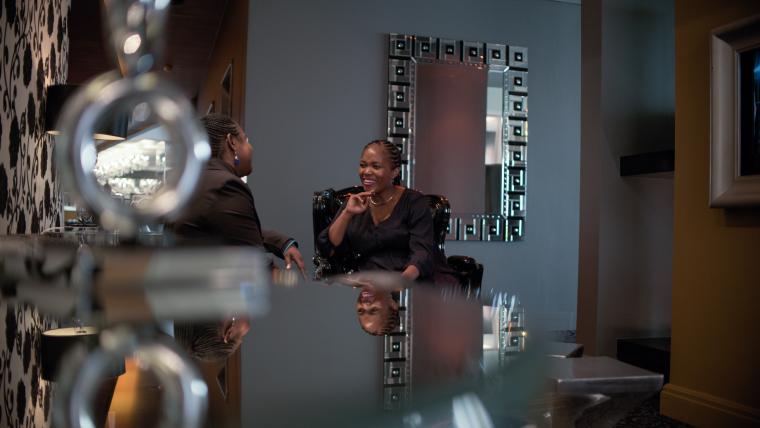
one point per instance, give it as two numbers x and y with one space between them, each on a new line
337 230
356 204
421 243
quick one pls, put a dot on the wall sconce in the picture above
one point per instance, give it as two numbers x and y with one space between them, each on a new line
54 350
57 95
56 343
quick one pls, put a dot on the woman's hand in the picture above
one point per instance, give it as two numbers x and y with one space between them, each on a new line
235 328
357 203
292 255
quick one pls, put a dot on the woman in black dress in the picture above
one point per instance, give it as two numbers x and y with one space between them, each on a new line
388 225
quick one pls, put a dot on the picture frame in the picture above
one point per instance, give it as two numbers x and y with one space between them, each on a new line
735 114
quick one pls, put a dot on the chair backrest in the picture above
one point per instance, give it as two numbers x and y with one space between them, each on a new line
327 203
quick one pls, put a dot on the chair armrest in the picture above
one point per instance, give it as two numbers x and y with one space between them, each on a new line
469 271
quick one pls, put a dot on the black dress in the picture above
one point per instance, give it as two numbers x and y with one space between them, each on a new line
223 212
404 238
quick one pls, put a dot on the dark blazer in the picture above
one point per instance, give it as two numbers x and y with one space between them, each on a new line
223 212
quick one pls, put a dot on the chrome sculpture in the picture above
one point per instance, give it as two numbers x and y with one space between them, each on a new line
136 33
62 278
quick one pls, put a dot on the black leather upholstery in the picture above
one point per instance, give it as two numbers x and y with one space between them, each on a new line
327 203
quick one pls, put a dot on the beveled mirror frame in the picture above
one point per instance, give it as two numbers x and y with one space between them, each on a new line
404 53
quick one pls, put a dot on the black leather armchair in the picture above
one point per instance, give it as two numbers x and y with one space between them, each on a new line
327 203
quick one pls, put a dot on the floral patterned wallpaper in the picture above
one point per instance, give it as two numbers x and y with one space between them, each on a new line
34 39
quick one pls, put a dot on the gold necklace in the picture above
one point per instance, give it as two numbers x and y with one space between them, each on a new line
372 200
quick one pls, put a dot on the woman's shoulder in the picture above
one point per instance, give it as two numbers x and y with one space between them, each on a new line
415 197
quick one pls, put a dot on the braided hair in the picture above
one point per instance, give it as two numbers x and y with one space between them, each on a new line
217 127
393 152
204 341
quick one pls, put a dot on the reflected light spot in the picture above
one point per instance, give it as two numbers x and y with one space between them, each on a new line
135 15
198 388
132 44
145 62
89 157
141 112
169 109
202 151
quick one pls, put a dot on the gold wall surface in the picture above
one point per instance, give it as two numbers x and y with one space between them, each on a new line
715 354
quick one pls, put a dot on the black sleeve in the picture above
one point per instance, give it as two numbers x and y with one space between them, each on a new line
325 247
421 244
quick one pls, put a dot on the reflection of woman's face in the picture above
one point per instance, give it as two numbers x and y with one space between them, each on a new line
373 308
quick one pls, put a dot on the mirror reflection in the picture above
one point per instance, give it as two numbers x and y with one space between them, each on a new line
458 109
147 162
451 134
377 311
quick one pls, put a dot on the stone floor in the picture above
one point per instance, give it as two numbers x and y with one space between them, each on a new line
648 415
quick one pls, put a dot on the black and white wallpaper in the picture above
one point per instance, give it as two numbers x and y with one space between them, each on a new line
34 39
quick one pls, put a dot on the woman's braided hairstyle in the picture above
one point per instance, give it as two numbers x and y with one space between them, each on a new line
217 127
393 152
204 341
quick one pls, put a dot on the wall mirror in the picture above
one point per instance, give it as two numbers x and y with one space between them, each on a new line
459 112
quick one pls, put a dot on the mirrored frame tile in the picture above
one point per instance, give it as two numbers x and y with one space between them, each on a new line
472 53
399 97
517 82
517 156
518 131
400 45
449 50
517 106
426 47
399 123
518 57
496 54
399 71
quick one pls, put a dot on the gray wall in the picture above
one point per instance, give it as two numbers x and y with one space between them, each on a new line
632 226
636 214
316 93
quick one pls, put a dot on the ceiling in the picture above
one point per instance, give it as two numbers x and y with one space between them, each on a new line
192 26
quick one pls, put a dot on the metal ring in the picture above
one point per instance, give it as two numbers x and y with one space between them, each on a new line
185 394
101 97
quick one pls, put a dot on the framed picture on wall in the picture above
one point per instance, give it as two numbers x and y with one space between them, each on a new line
735 114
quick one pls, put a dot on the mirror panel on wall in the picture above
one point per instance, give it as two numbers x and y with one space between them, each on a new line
459 112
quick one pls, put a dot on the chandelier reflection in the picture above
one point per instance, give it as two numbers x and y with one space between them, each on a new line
133 169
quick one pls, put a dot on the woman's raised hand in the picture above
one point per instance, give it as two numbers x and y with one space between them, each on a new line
358 203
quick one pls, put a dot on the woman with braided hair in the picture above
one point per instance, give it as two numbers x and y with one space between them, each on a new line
389 226
224 212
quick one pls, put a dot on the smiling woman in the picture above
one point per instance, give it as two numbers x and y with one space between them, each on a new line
378 311
387 225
